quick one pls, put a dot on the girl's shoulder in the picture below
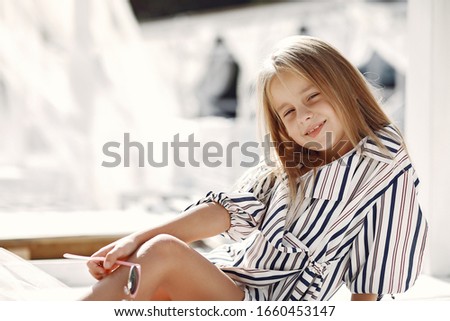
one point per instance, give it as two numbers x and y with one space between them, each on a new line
387 145
263 174
390 135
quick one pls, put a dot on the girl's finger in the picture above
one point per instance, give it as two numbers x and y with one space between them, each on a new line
104 250
96 273
111 258
97 276
96 267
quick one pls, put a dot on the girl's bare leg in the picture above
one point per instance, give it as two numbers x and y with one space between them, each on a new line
170 270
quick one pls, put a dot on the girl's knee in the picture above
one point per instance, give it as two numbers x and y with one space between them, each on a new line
161 247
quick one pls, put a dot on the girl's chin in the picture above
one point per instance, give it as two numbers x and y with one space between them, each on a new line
317 146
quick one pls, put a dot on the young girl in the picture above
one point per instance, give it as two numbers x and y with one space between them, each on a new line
338 205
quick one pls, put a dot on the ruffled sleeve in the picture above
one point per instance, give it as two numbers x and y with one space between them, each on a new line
246 202
386 256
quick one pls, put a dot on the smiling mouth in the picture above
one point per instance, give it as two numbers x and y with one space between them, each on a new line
313 132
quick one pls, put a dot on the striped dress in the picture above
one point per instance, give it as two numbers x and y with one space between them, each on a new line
359 223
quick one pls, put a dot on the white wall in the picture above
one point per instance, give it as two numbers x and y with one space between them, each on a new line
427 120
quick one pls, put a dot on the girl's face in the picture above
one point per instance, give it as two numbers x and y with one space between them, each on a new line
309 118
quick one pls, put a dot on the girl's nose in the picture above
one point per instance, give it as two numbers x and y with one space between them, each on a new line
303 116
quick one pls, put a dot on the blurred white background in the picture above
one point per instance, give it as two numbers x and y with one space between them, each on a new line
77 74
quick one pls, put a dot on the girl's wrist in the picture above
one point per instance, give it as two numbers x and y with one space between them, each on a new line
140 238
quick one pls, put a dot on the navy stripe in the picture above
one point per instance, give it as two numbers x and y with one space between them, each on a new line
244 199
256 212
273 215
303 280
333 278
317 218
304 262
389 139
366 249
258 277
345 178
393 150
345 246
324 225
350 271
413 248
321 253
274 261
358 166
316 180
283 264
238 262
388 237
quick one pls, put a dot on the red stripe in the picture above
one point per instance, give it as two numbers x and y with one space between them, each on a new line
324 181
410 217
333 183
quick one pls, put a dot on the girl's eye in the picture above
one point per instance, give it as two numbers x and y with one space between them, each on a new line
311 97
288 112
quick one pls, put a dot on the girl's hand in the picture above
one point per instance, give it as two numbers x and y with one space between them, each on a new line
120 249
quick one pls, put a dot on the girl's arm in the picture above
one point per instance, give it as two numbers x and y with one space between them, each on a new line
199 222
364 297
202 221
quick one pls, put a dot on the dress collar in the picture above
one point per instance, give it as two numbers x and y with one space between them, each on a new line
390 138
332 180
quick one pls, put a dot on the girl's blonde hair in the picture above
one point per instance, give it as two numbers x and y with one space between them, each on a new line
340 83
